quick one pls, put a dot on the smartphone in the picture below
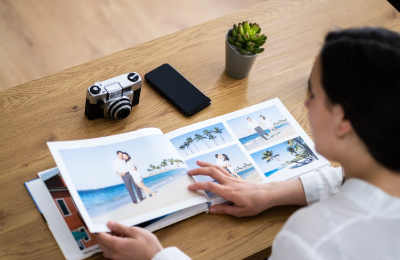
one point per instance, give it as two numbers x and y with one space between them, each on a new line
177 89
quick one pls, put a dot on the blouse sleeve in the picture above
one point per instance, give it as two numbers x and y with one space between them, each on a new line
322 183
171 253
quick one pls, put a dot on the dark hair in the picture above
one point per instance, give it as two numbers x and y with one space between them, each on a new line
216 155
248 118
226 158
361 72
119 152
128 156
263 117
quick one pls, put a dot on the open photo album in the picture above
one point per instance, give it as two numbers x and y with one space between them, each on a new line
140 177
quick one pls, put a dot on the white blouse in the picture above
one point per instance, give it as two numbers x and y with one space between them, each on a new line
352 221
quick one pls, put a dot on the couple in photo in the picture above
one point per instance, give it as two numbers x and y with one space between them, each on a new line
126 169
223 161
256 126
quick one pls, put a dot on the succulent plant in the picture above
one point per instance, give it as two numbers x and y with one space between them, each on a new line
246 38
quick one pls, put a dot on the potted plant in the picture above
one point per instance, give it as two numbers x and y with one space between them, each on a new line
242 44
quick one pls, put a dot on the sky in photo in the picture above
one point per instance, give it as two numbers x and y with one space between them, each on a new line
179 140
92 167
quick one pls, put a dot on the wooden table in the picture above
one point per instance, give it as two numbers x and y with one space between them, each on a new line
52 108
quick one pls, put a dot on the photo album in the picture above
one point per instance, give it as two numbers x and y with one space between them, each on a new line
140 177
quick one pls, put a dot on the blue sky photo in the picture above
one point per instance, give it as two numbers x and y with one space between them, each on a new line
240 127
200 145
236 158
92 167
276 163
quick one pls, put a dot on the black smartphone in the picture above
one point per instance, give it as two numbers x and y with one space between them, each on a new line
177 89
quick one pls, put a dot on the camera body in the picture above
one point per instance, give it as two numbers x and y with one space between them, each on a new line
113 97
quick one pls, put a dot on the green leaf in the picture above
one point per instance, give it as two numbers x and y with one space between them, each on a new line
247 37
241 31
234 33
262 37
251 44
258 44
255 28
254 37
250 49
240 38
235 28
231 40
258 50
238 44
243 52
246 26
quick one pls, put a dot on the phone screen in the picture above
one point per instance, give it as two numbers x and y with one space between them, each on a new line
177 89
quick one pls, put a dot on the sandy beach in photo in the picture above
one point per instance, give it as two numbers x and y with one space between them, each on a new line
254 177
258 142
166 195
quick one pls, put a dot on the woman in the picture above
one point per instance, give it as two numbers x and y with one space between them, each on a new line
354 90
228 166
137 177
268 124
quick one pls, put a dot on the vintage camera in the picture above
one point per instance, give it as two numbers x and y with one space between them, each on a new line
113 97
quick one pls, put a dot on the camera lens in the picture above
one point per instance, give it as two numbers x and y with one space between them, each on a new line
133 77
94 90
120 108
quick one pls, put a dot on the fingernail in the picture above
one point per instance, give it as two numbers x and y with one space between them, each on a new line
198 161
213 210
111 224
190 186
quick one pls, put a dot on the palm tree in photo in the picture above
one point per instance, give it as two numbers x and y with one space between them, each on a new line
269 156
151 168
171 161
214 138
207 133
199 137
219 131
182 147
187 145
191 141
178 162
164 164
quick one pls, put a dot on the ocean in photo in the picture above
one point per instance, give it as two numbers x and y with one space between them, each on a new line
251 138
100 201
244 174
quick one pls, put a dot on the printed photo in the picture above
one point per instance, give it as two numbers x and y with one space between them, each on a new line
128 179
289 155
261 127
201 139
233 160
65 204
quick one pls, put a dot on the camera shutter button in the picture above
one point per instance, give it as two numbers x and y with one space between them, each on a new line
133 77
94 90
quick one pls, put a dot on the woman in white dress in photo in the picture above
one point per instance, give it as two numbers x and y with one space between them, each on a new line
137 176
268 124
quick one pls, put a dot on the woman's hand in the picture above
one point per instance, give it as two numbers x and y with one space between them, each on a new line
248 198
128 242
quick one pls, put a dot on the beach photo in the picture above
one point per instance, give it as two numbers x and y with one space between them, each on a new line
201 139
231 159
289 155
137 179
261 127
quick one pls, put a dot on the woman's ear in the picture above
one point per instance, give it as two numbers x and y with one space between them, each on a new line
343 125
